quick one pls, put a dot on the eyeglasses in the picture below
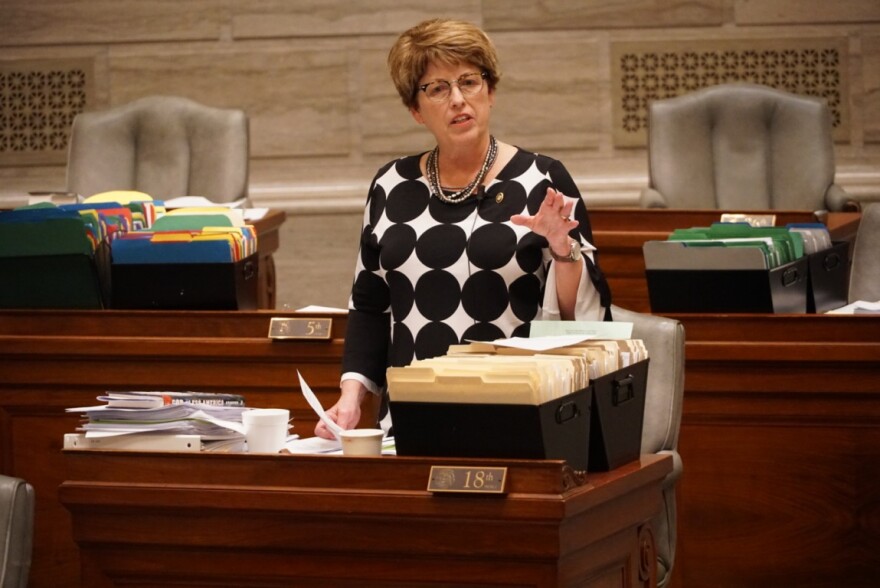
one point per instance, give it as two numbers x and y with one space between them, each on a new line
468 85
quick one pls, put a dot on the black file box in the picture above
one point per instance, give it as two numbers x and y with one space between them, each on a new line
828 278
594 429
64 281
559 429
782 289
617 417
186 286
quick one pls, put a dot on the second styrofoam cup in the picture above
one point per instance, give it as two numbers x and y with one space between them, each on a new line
265 429
362 441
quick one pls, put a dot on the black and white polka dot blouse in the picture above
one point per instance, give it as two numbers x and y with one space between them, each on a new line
432 274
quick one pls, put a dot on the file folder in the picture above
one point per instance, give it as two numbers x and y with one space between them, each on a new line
595 428
49 259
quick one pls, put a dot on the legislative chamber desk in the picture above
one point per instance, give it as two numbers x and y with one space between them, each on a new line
239 520
268 241
780 436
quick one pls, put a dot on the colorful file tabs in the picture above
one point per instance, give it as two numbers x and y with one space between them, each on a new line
182 236
53 258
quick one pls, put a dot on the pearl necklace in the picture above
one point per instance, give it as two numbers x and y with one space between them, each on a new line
433 168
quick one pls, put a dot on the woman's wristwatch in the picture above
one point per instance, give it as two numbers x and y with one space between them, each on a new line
574 253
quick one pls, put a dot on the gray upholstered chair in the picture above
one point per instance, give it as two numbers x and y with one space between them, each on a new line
864 278
16 531
164 146
742 147
664 339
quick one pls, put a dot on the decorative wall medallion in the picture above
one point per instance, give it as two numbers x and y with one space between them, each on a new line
38 101
646 71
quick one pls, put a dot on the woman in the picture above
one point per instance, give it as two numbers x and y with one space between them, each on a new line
471 240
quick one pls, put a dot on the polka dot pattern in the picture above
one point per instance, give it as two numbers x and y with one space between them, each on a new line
451 272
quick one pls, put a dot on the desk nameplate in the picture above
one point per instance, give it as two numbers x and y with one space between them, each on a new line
300 328
467 480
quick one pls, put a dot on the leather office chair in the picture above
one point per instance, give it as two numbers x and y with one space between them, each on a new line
164 146
742 147
664 395
864 278
16 531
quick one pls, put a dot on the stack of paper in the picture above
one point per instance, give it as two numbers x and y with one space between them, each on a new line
156 399
216 423
492 373
201 202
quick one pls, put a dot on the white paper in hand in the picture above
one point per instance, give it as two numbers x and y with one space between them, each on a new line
316 406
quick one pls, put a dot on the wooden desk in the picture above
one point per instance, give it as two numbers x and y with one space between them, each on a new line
780 442
619 234
780 437
237 521
268 241
53 360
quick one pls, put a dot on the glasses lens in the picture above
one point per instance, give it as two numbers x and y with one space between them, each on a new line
438 91
470 84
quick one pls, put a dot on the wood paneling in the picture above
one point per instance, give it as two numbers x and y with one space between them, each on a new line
312 521
779 440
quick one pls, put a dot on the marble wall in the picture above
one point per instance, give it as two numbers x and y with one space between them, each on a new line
311 75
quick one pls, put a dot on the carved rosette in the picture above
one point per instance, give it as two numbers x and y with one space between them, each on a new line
647 556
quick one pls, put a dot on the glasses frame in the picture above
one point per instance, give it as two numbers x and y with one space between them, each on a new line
424 87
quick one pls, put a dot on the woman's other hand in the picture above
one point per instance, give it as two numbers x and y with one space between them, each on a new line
347 411
552 221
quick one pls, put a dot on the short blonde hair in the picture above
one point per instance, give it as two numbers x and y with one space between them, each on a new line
444 41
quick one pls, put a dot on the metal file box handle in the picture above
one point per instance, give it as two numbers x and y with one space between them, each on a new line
790 276
250 270
567 411
623 390
831 262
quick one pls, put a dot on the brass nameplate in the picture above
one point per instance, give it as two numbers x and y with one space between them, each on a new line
300 328
469 480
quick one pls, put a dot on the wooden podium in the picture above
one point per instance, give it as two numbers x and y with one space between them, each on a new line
239 520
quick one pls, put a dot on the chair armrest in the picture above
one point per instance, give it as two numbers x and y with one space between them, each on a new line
672 477
651 198
16 530
837 199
